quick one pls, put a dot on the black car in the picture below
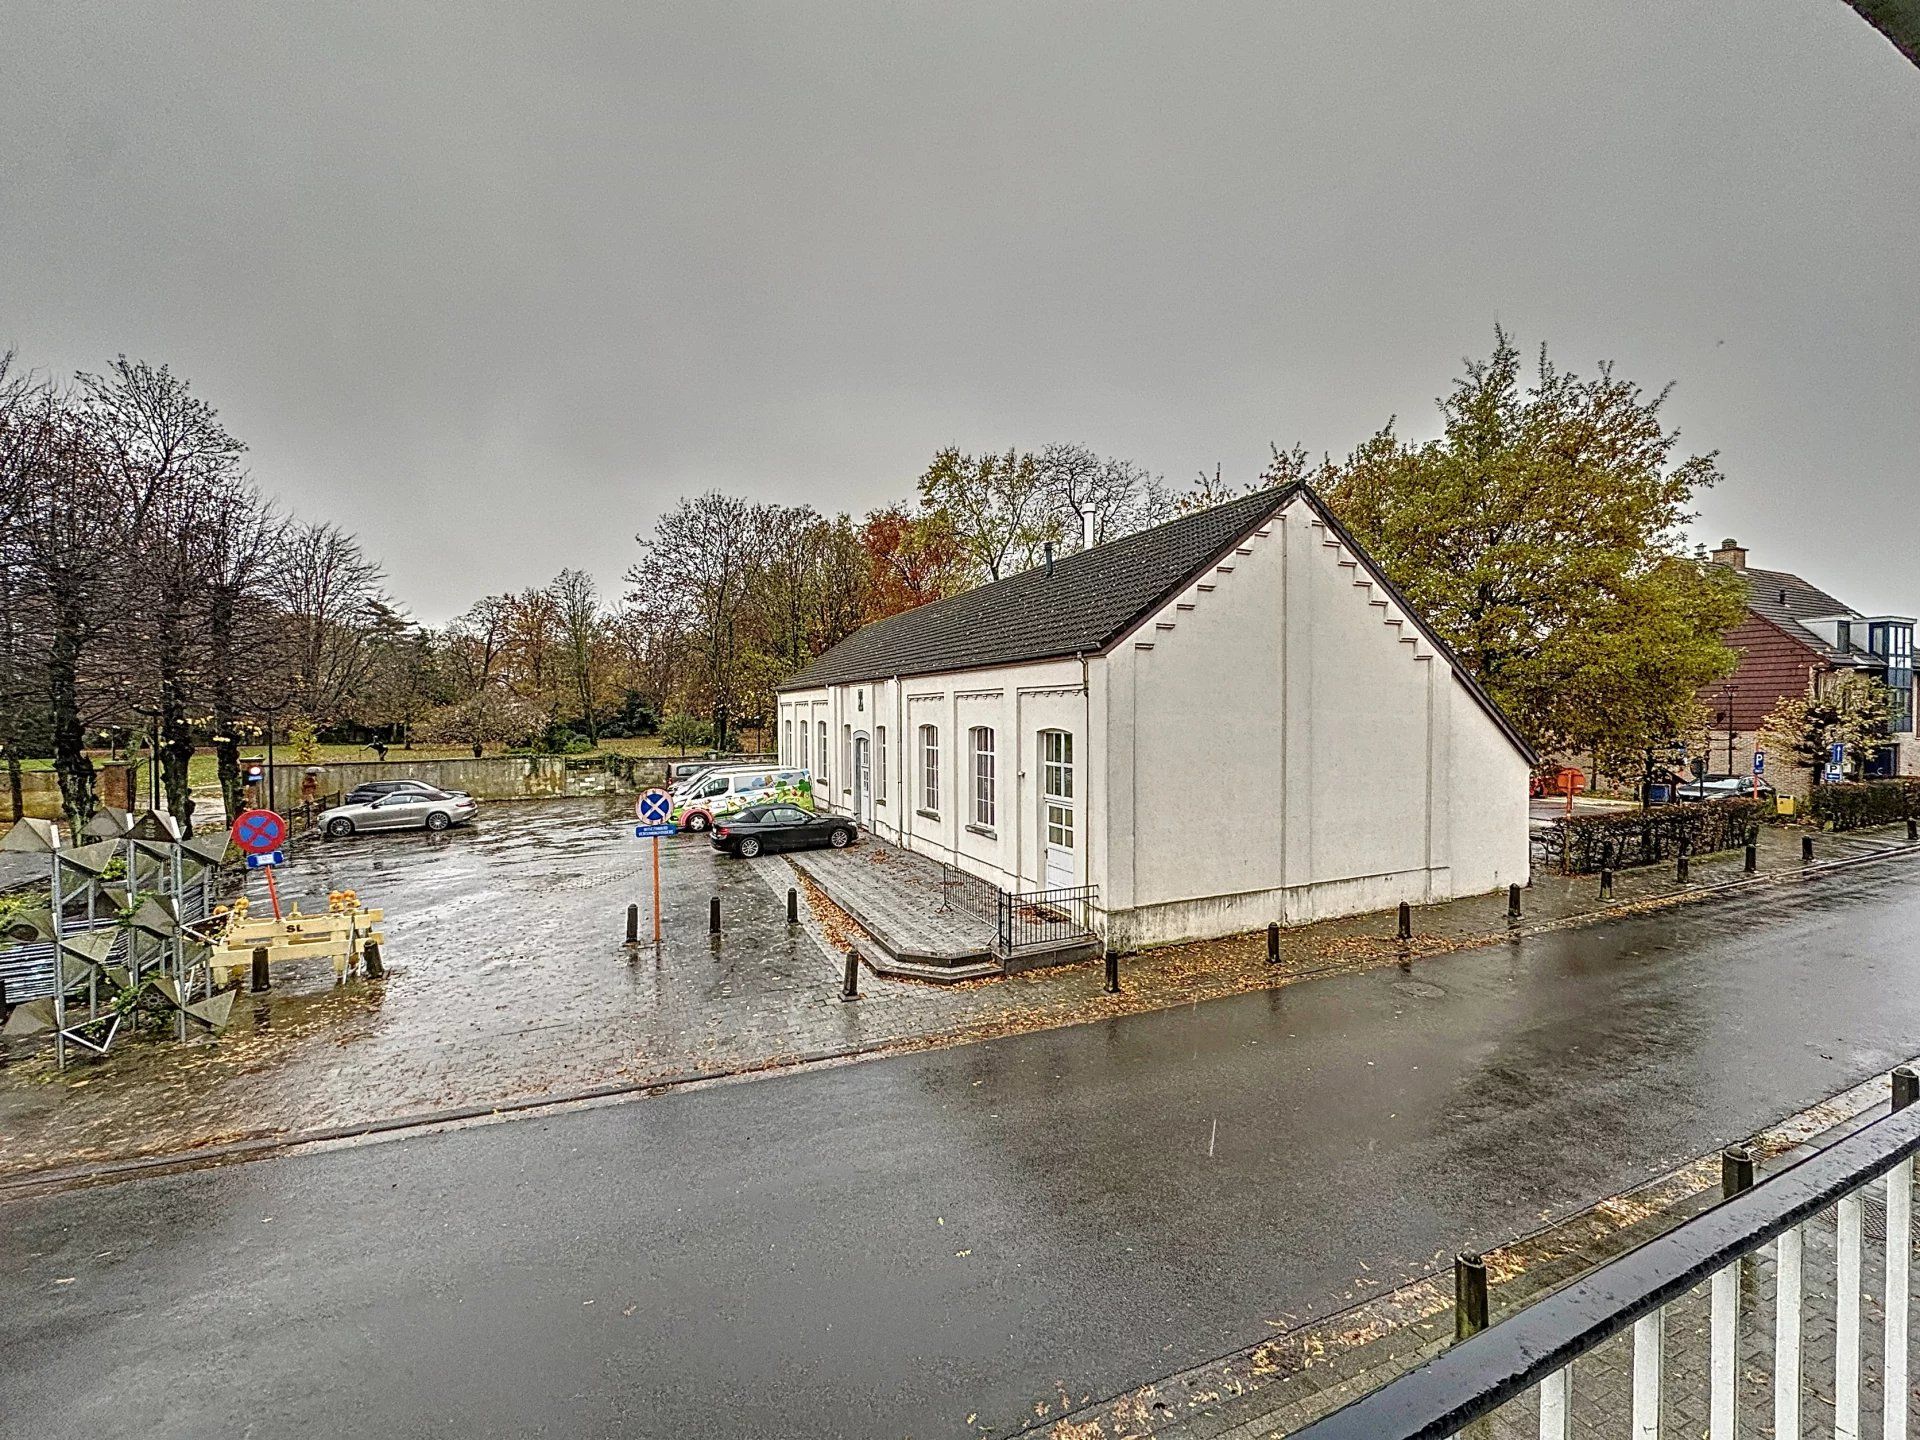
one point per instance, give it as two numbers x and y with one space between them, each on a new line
780 827
371 791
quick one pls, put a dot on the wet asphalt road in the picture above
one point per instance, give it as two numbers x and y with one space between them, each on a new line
883 1249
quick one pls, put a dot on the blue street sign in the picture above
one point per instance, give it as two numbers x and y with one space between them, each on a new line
266 861
1836 754
1759 762
654 832
655 807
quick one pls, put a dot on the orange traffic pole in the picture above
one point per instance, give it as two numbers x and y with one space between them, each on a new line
273 892
656 889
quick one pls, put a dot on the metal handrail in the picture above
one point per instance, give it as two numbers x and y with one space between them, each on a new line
1477 1376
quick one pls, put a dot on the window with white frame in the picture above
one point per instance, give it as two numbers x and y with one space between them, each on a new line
982 748
800 758
822 776
880 764
930 768
786 742
846 756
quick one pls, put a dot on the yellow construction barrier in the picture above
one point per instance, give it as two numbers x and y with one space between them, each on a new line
347 934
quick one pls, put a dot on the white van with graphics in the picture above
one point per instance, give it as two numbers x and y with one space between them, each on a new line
719 793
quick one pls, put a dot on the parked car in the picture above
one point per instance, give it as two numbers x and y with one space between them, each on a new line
765 828
1724 787
374 789
727 792
398 810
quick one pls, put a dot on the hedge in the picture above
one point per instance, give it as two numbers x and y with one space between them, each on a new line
1867 802
1577 845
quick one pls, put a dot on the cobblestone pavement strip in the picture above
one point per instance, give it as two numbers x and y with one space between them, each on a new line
508 984
1306 1372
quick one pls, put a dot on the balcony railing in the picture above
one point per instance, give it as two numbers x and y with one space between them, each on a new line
1534 1351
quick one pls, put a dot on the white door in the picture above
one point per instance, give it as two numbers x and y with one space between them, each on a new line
862 782
1057 808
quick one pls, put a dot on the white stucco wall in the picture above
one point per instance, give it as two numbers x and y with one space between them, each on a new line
1293 754
1015 702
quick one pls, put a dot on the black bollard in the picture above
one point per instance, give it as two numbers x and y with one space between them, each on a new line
713 915
370 953
793 906
1753 858
1513 902
1113 972
1469 1296
1273 943
1913 830
1806 849
1683 865
1906 1086
633 924
1736 1170
850 982
260 978
1606 883
1406 921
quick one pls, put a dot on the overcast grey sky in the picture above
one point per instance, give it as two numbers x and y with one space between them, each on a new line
493 284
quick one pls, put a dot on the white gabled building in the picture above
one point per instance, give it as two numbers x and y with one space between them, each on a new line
1229 719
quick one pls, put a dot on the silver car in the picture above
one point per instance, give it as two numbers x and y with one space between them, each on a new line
401 810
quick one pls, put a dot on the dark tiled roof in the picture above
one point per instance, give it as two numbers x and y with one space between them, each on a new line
1787 600
1090 600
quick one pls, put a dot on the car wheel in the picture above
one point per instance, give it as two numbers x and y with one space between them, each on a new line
438 820
697 822
840 838
339 828
747 848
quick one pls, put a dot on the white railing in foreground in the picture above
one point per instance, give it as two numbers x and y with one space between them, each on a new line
1534 1350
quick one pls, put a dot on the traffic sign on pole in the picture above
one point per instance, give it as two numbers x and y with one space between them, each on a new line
267 860
1759 762
258 831
654 811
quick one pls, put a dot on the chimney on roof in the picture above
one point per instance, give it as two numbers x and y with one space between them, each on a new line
1086 531
1047 551
1731 553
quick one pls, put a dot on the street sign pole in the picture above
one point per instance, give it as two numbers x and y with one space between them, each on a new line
654 811
656 892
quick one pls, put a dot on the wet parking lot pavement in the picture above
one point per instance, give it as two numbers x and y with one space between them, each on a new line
509 983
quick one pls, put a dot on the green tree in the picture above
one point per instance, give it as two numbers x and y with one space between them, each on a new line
1852 711
1541 535
684 731
997 506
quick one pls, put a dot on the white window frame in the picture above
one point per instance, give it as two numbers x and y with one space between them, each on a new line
879 764
930 768
981 749
821 735
786 741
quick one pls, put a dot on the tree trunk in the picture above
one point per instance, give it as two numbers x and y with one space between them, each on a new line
226 745
176 739
70 763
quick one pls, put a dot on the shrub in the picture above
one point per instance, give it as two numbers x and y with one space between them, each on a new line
1577 845
1867 802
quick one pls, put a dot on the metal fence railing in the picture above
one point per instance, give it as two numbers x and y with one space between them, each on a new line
1045 919
1533 1352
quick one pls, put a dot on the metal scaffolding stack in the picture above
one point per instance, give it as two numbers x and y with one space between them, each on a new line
145 934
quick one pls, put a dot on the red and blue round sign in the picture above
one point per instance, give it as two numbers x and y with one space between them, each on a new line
258 831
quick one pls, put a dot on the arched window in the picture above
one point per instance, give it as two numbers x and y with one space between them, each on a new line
880 764
981 746
786 742
822 777
930 769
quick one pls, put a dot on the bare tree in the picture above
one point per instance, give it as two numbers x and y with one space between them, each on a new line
579 607
327 591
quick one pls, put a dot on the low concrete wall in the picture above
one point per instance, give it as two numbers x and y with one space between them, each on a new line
493 777
40 789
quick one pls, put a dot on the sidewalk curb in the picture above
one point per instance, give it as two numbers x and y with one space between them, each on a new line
35 1183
